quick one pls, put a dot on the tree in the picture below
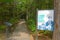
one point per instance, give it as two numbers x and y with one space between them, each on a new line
56 34
12 9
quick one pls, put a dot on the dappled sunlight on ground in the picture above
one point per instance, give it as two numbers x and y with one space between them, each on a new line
22 22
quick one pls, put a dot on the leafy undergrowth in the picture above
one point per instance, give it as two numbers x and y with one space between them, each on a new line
2 28
31 25
46 33
13 21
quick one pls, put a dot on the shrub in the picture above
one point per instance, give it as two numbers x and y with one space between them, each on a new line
2 27
31 25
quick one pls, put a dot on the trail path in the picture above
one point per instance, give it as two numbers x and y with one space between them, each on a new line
21 32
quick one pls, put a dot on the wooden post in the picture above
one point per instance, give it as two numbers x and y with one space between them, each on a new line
56 34
26 11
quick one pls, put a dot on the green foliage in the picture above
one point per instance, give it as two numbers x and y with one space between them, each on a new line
13 20
6 0
40 5
32 25
11 10
2 27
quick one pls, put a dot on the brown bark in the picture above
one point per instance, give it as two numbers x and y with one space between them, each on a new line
56 34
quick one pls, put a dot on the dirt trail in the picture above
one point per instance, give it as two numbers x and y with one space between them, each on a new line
21 32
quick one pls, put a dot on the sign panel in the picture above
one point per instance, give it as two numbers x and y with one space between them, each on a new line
45 20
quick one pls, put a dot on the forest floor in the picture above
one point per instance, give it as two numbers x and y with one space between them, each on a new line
43 37
21 33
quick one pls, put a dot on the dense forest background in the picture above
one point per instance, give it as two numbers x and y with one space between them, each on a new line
13 10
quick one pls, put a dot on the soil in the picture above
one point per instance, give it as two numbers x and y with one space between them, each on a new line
21 33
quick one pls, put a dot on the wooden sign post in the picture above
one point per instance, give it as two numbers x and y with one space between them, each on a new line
56 34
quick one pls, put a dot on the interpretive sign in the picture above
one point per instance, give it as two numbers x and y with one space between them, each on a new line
45 20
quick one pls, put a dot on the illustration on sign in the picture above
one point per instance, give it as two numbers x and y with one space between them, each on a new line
45 20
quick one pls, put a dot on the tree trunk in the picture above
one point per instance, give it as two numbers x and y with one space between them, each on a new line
56 34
